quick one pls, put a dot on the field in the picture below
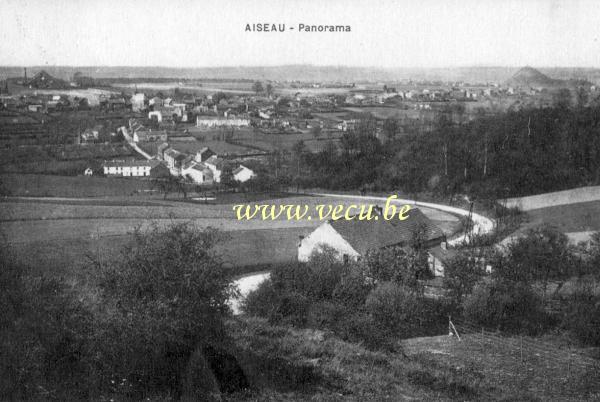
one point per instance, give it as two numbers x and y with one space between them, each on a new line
381 112
284 141
55 234
513 368
579 217
235 87
39 185
293 364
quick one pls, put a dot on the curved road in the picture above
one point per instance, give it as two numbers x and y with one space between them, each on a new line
481 225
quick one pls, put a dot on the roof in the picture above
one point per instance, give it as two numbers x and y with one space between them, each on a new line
131 163
241 168
374 234
215 161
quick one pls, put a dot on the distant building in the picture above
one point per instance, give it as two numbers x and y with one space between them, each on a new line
203 154
199 173
242 174
132 168
215 164
138 102
149 135
211 122
88 172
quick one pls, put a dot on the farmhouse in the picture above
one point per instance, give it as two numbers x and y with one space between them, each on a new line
242 174
132 168
353 238
199 173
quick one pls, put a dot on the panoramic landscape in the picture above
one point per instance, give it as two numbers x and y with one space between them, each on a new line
190 210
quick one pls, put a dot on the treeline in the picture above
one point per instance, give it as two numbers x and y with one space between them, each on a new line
510 154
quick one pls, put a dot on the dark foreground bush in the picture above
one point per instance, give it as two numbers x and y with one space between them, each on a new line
506 306
582 317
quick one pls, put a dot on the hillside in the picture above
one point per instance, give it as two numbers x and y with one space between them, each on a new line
532 78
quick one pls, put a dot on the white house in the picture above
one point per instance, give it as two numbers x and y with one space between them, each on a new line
138 102
132 168
198 172
352 239
242 174
209 122
155 114
88 172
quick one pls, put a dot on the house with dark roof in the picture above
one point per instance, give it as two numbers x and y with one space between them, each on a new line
353 238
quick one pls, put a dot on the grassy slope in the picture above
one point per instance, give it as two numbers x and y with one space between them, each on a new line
497 366
579 217
298 365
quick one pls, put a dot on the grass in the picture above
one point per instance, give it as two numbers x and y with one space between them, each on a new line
42 185
496 366
579 217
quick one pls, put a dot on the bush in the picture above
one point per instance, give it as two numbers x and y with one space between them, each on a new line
394 308
507 306
582 317
44 333
165 298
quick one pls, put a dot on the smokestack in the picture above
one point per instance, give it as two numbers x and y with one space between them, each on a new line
25 76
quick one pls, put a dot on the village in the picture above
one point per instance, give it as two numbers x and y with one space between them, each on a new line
389 202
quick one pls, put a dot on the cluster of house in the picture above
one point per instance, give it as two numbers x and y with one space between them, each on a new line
203 167
352 239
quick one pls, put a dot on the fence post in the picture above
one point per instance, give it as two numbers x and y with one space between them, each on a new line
521 348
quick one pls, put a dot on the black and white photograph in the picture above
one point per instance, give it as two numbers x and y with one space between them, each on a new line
299 200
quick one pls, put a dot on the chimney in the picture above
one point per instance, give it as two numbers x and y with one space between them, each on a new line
25 78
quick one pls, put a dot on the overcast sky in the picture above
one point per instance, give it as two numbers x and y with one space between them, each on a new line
182 33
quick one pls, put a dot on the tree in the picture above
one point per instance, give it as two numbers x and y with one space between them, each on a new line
391 126
165 302
395 264
543 254
461 273
316 131
257 87
269 89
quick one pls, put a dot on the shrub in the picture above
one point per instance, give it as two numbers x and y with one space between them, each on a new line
507 306
393 307
582 317
165 298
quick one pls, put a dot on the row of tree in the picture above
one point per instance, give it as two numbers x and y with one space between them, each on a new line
509 154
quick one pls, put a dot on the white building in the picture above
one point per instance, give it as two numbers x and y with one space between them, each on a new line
198 172
138 102
210 122
352 239
132 168
242 174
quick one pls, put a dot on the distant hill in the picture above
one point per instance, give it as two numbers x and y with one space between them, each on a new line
529 77
312 73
